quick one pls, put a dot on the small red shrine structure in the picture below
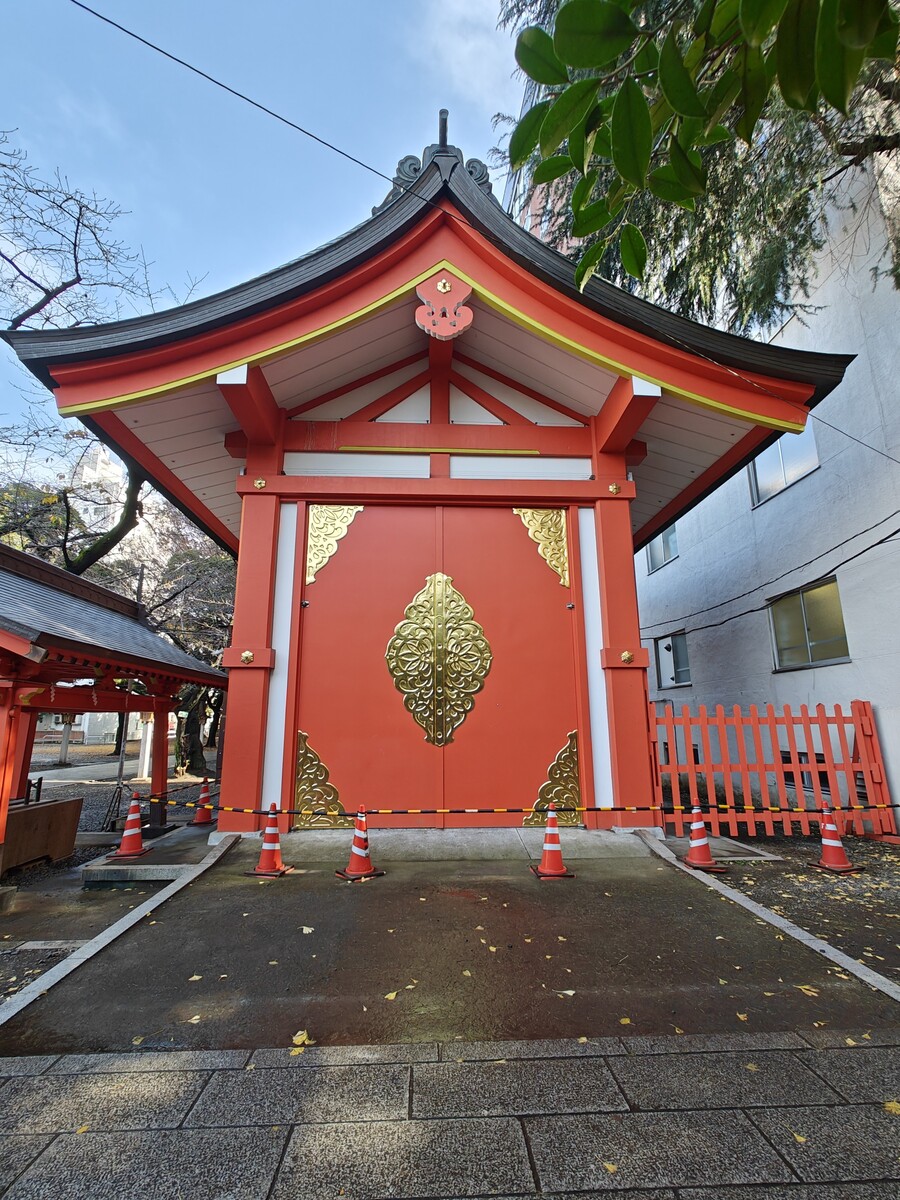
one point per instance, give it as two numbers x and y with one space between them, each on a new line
434 457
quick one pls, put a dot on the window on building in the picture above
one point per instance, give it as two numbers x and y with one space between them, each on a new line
662 549
785 461
808 626
672 666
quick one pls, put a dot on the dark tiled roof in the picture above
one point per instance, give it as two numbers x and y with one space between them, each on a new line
34 609
444 175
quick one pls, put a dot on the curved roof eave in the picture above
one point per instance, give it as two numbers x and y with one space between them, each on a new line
445 175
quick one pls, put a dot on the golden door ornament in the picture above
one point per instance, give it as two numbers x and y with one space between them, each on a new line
328 523
439 659
562 788
315 798
547 527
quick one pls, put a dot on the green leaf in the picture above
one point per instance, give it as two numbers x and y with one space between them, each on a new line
603 142
712 137
537 58
592 33
759 18
837 65
552 168
581 139
724 20
647 58
795 53
632 134
633 250
858 21
591 219
664 183
721 96
703 19
675 80
754 90
589 262
565 112
688 168
525 135
884 44
581 192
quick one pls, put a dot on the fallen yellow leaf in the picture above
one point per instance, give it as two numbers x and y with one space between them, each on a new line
582 1041
723 981
195 1020
136 1041
677 1030
851 1042
611 1167
297 1050
561 939
493 949
194 978
311 929
751 1066
568 992
82 1129
743 1017
302 1038
468 974
391 996
798 1137
624 1020
892 1107
807 989
273 962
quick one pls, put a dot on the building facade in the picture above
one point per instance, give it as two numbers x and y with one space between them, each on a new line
783 586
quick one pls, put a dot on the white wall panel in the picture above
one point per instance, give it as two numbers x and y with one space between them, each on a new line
283 603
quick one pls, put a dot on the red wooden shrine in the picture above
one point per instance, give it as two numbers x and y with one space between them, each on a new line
434 458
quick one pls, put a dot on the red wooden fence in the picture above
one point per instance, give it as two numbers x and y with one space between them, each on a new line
770 771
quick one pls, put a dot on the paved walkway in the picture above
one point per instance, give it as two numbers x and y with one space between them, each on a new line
745 1116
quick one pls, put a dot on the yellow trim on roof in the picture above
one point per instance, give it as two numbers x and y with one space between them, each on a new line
494 302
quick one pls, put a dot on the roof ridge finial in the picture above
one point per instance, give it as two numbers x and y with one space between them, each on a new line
442 128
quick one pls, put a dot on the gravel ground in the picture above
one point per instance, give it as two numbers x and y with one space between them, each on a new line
859 914
46 754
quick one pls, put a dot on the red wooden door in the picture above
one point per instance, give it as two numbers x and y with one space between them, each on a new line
365 730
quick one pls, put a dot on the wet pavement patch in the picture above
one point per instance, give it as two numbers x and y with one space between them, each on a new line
441 951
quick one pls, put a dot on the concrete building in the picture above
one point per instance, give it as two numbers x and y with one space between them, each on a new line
783 586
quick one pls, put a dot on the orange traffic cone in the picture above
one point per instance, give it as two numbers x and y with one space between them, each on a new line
834 856
270 863
551 865
360 864
132 843
699 856
203 815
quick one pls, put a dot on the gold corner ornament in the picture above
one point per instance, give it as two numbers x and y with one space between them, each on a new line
547 527
317 801
439 659
328 523
562 788
246 657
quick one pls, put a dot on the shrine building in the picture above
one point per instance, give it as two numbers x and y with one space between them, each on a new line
434 458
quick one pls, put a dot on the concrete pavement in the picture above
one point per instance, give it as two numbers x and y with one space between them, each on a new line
771 1116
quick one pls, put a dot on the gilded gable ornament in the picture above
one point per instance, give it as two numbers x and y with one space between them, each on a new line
439 659
547 527
328 523
562 788
315 798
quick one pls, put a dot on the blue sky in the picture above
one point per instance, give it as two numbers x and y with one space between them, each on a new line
213 187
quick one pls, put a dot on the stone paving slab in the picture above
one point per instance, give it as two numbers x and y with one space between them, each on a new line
149 1060
859 1074
854 1142
547 1048
514 1088
33 1064
63 1103
826 1039
800 1191
651 1150
349 1056
17 1150
748 1080
405 1159
693 1043
284 1096
200 1164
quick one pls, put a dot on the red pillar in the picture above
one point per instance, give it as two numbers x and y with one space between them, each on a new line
9 727
159 761
24 747
624 662
249 660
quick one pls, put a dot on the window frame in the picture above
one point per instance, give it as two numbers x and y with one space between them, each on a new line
810 664
689 682
755 499
651 569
